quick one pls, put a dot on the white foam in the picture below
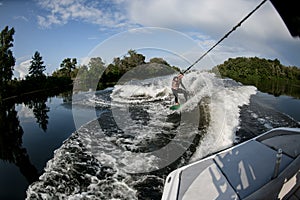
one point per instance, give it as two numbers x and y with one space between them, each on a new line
114 151
143 91
225 112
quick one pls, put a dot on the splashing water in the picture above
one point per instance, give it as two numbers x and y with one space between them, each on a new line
136 139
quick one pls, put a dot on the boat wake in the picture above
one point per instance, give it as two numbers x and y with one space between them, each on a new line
130 139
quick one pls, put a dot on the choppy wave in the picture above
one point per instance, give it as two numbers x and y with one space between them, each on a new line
136 139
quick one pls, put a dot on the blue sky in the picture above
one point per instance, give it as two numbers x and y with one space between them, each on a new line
178 31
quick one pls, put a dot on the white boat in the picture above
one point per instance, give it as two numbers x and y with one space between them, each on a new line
265 167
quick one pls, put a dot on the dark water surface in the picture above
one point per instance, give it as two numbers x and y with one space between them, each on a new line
284 104
29 135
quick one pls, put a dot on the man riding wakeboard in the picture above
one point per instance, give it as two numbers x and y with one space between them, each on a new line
176 82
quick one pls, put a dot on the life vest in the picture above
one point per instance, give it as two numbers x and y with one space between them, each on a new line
175 83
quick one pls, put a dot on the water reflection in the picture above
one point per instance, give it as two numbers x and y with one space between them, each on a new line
11 149
11 132
40 110
276 87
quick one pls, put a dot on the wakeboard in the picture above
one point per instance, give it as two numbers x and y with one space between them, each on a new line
175 107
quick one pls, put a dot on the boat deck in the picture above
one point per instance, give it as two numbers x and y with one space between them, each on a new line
246 171
296 195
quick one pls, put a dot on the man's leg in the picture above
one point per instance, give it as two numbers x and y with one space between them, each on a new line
175 92
180 90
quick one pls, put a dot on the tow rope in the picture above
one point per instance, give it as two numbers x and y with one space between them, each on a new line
225 36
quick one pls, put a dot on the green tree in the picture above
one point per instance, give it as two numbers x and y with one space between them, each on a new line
67 67
82 81
267 75
37 68
112 74
159 61
7 61
119 67
129 62
96 68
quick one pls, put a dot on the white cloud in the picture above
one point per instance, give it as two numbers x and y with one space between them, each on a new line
103 13
93 38
21 18
200 15
205 21
21 69
84 60
211 20
46 22
25 112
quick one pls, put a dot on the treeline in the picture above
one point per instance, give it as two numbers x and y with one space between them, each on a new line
255 68
267 75
35 80
97 76
96 72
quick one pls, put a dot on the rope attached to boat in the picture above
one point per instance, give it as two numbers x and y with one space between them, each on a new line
225 36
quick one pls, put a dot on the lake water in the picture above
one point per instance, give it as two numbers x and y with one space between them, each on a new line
31 132
33 146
